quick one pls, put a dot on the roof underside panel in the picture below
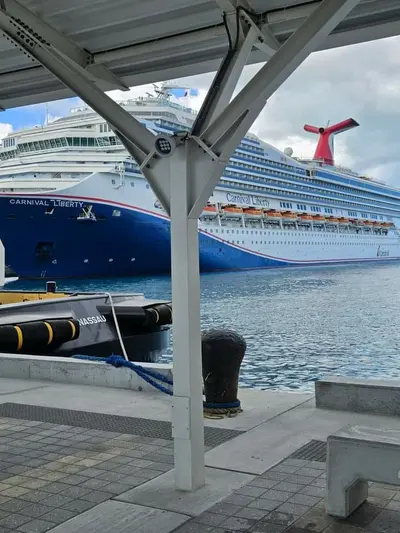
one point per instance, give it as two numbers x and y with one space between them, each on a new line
143 41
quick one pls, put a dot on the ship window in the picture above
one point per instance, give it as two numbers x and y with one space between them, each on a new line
11 217
113 182
132 183
116 213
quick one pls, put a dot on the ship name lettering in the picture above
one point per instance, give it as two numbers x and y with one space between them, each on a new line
247 199
46 203
88 320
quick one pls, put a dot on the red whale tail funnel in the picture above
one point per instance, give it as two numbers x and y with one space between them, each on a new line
325 147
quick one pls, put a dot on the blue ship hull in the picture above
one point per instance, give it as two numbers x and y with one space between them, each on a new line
39 245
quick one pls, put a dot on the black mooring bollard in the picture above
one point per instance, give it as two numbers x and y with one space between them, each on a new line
222 355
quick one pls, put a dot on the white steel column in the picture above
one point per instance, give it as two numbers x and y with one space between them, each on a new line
187 406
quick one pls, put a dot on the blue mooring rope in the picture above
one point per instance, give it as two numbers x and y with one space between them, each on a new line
150 376
146 374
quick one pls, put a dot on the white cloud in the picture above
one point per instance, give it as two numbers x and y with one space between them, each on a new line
5 129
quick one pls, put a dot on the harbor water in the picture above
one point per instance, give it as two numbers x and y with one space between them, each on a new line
299 324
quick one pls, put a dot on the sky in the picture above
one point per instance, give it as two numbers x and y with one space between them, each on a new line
360 81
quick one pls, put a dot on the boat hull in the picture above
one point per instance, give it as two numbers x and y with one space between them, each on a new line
137 242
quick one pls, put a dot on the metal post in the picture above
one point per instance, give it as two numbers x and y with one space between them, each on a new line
187 406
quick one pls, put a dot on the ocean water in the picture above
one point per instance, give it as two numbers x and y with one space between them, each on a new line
299 324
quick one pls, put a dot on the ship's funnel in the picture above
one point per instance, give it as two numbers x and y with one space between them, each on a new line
325 147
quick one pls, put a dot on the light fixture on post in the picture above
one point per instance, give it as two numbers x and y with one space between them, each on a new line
165 145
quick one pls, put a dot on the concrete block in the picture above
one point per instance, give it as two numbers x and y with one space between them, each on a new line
358 395
67 370
112 517
162 494
356 455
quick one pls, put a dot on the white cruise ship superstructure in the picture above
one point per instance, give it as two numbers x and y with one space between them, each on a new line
73 204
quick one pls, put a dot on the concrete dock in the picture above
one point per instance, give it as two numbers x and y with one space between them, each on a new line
86 459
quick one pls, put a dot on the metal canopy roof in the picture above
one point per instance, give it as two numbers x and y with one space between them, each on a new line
142 41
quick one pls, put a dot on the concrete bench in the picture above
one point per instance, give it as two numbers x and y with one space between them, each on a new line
356 455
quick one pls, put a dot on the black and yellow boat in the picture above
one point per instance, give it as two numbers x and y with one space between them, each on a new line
95 324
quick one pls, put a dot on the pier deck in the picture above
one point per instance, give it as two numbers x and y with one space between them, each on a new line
88 459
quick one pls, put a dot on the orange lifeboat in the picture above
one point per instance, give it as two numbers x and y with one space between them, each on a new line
273 214
306 217
333 220
252 212
289 215
368 223
319 218
233 209
344 220
387 224
211 208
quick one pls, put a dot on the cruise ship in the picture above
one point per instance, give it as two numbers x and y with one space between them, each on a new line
74 204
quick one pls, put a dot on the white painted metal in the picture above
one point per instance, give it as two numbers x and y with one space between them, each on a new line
143 42
187 407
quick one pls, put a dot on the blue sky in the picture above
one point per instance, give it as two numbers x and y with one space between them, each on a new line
33 115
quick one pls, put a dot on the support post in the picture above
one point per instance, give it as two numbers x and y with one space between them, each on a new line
187 406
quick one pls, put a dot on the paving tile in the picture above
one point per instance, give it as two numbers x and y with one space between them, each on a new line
293 508
314 520
117 488
35 510
300 480
343 528
279 517
96 496
239 499
54 488
194 527
57 500
235 523
58 516
304 499
79 505
210 519
311 490
14 492
91 472
249 490
267 527
367 513
13 505
254 514
74 492
377 492
267 505
36 526
228 509
276 476
263 483
74 479
288 487
93 484
12 521
35 496
278 495
285 468
309 472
